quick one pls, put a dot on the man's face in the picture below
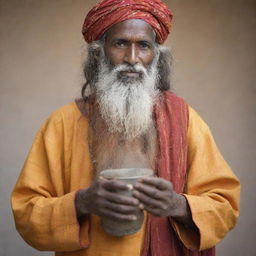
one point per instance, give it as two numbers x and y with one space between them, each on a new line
126 83
130 42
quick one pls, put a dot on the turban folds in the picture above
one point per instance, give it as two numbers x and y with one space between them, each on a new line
110 12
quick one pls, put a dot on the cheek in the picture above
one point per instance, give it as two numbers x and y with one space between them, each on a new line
151 57
148 58
115 57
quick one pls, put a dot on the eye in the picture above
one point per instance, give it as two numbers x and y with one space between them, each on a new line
144 45
120 43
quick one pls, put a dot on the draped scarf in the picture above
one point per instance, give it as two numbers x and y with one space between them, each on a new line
171 116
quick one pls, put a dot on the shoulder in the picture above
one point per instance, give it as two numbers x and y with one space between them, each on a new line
196 126
66 113
196 123
194 119
63 121
199 135
175 103
173 98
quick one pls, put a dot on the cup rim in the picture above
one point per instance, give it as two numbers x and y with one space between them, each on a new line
132 177
129 177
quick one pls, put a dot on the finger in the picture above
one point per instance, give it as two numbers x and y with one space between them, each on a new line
120 199
120 208
151 191
157 182
115 185
155 211
149 201
117 216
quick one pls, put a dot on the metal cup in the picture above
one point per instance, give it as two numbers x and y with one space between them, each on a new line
129 176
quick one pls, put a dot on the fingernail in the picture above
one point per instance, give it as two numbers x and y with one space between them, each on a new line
141 206
134 218
129 186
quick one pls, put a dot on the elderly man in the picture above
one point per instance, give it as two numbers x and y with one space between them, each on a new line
127 118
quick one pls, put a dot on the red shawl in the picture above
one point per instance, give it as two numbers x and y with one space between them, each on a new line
171 115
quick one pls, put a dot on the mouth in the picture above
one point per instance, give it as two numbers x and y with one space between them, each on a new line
130 74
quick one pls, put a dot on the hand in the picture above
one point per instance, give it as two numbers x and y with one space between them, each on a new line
103 199
157 196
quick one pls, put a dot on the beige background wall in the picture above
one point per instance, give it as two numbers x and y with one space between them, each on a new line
41 54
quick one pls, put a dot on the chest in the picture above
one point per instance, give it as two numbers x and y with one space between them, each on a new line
115 151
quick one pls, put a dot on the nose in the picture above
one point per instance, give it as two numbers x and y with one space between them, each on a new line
131 55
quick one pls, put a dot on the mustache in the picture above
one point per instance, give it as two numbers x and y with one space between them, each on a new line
137 68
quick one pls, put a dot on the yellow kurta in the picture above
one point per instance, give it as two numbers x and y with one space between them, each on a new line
59 164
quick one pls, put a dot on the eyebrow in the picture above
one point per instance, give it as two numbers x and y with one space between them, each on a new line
139 41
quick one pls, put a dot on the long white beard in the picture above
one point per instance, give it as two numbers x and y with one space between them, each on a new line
126 106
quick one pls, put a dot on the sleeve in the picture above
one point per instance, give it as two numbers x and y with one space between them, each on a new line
43 208
212 190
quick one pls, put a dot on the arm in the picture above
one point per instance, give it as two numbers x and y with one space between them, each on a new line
48 201
209 207
43 207
212 190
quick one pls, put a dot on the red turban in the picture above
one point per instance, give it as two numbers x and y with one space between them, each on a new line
110 12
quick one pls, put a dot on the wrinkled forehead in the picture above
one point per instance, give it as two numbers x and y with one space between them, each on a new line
132 29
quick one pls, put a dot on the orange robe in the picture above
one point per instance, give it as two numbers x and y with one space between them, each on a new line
59 164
